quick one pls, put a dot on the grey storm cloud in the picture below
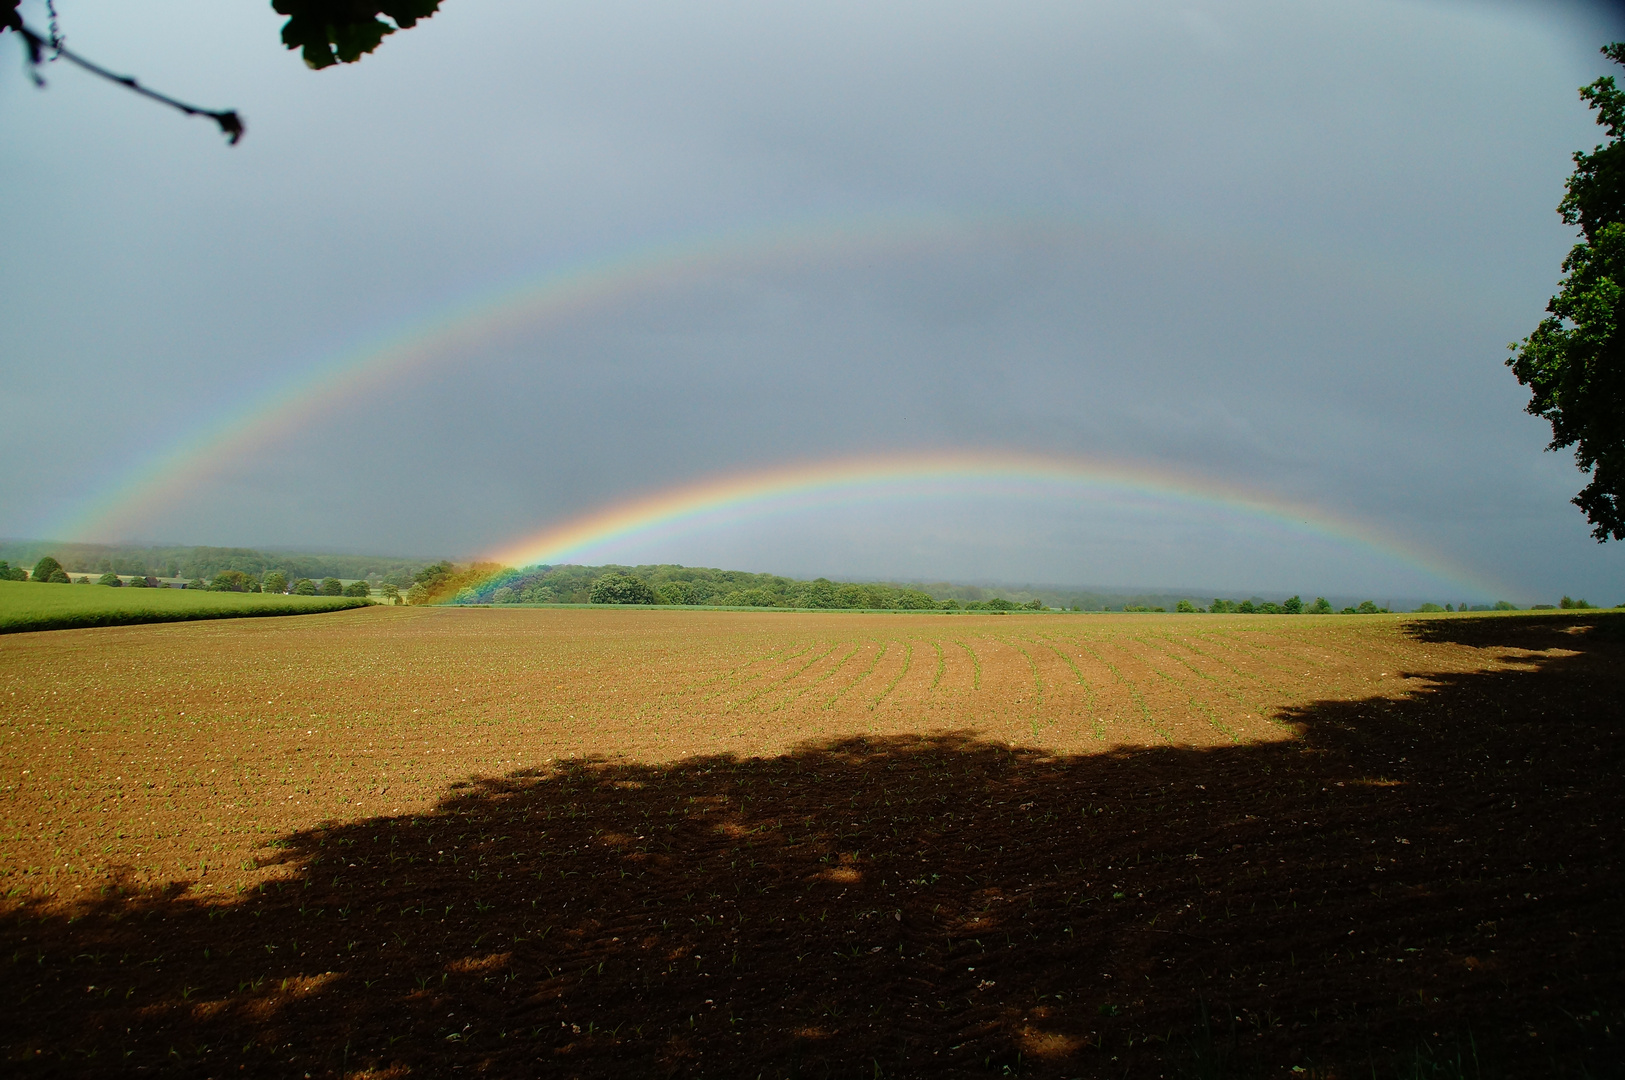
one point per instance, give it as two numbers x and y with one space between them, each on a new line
1282 246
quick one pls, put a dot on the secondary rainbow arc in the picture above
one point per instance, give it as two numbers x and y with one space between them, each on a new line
135 495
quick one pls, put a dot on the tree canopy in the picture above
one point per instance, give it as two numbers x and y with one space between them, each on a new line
48 569
619 589
1574 362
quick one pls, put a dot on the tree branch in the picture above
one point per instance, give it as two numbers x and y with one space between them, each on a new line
231 125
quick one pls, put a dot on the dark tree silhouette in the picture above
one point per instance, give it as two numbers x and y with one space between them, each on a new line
329 32
1574 362
326 32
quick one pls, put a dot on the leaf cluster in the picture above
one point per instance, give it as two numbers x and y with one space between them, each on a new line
329 32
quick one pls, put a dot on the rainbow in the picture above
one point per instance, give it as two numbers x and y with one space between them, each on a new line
135 497
723 500
139 496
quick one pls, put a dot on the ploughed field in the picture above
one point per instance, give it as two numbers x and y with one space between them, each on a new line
597 842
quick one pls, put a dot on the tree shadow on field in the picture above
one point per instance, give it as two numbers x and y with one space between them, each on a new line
1420 887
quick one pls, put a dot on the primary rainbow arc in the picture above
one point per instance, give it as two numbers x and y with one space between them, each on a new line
715 500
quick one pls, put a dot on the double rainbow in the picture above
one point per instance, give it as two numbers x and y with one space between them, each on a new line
132 501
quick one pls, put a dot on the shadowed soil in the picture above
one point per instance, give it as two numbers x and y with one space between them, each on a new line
1409 875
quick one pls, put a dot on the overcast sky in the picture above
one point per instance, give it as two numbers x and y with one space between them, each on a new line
1280 246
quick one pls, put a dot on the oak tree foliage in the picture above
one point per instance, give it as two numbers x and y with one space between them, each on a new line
1574 362
328 32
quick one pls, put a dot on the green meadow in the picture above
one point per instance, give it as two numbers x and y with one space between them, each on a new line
30 605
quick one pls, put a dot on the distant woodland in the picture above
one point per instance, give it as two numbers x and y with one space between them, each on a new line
209 562
416 581
667 584
676 585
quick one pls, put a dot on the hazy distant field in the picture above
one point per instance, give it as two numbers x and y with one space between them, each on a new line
30 605
726 842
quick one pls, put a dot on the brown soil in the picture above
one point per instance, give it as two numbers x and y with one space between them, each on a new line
398 842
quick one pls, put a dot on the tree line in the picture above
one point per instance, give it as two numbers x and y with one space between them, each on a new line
1294 605
192 562
484 583
669 584
48 569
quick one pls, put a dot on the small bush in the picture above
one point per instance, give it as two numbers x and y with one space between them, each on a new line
231 581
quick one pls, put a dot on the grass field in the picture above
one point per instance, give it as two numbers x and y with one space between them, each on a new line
399 841
27 606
